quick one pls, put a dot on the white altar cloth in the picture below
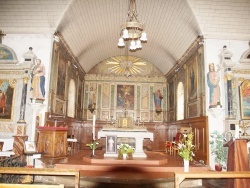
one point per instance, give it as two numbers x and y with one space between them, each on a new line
138 134
8 143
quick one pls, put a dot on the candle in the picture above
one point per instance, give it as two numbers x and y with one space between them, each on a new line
93 131
237 131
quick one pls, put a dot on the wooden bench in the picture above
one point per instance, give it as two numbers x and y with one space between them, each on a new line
181 176
5 185
42 171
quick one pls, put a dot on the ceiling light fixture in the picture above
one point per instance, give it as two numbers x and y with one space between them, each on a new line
132 29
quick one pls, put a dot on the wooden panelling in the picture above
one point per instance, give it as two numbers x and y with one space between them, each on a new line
200 128
82 131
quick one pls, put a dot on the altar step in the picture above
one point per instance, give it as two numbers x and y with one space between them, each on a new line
156 171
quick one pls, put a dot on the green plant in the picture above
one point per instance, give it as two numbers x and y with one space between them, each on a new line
93 145
125 149
217 148
186 147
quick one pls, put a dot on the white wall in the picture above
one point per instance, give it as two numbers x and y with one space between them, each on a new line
42 47
213 49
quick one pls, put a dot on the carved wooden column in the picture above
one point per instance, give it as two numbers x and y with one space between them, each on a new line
18 147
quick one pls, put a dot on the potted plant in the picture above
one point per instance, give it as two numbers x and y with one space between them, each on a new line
217 149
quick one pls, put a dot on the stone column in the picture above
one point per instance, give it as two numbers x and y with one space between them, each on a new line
229 100
23 100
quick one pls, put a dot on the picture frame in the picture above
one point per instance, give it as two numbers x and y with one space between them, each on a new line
30 147
7 101
245 99
192 79
1 146
111 144
171 94
59 106
125 97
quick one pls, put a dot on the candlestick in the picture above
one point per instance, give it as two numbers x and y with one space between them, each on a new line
93 131
237 130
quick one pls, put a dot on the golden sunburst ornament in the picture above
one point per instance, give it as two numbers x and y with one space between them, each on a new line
125 65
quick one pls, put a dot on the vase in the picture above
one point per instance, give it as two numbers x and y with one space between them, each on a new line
93 153
186 165
124 156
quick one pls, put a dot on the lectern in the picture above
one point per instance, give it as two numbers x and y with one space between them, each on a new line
52 143
237 161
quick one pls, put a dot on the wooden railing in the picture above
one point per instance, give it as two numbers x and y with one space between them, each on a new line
5 185
181 176
42 171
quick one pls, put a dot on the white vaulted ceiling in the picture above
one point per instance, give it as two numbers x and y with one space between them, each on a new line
91 28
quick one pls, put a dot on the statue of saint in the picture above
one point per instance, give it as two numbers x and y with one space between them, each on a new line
213 80
38 80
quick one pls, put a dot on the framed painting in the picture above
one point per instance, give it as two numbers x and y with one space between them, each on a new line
125 97
245 99
29 147
7 94
111 144
1 146
171 91
59 107
61 78
79 93
192 79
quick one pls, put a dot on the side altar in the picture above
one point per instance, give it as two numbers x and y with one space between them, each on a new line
138 134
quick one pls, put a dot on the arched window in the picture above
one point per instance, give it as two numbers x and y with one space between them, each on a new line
180 101
71 99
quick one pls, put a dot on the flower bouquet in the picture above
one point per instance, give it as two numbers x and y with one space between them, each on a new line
93 146
125 149
186 147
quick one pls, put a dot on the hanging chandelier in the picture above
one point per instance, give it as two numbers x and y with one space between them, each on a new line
132 29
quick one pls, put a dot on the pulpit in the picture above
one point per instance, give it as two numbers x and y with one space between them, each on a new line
52 143
237 161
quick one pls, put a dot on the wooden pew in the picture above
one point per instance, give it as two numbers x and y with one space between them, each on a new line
5 185
42 171
181 176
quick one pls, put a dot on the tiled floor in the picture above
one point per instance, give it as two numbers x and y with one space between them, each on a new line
157 170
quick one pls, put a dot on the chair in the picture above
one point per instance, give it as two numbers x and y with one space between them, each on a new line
168 147
72 144
175 142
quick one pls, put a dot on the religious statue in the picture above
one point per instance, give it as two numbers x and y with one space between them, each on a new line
213 80
157 99
111 144
38 80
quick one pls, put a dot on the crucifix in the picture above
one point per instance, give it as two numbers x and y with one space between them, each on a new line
1 36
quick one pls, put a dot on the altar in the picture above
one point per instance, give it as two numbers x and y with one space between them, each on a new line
138 134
